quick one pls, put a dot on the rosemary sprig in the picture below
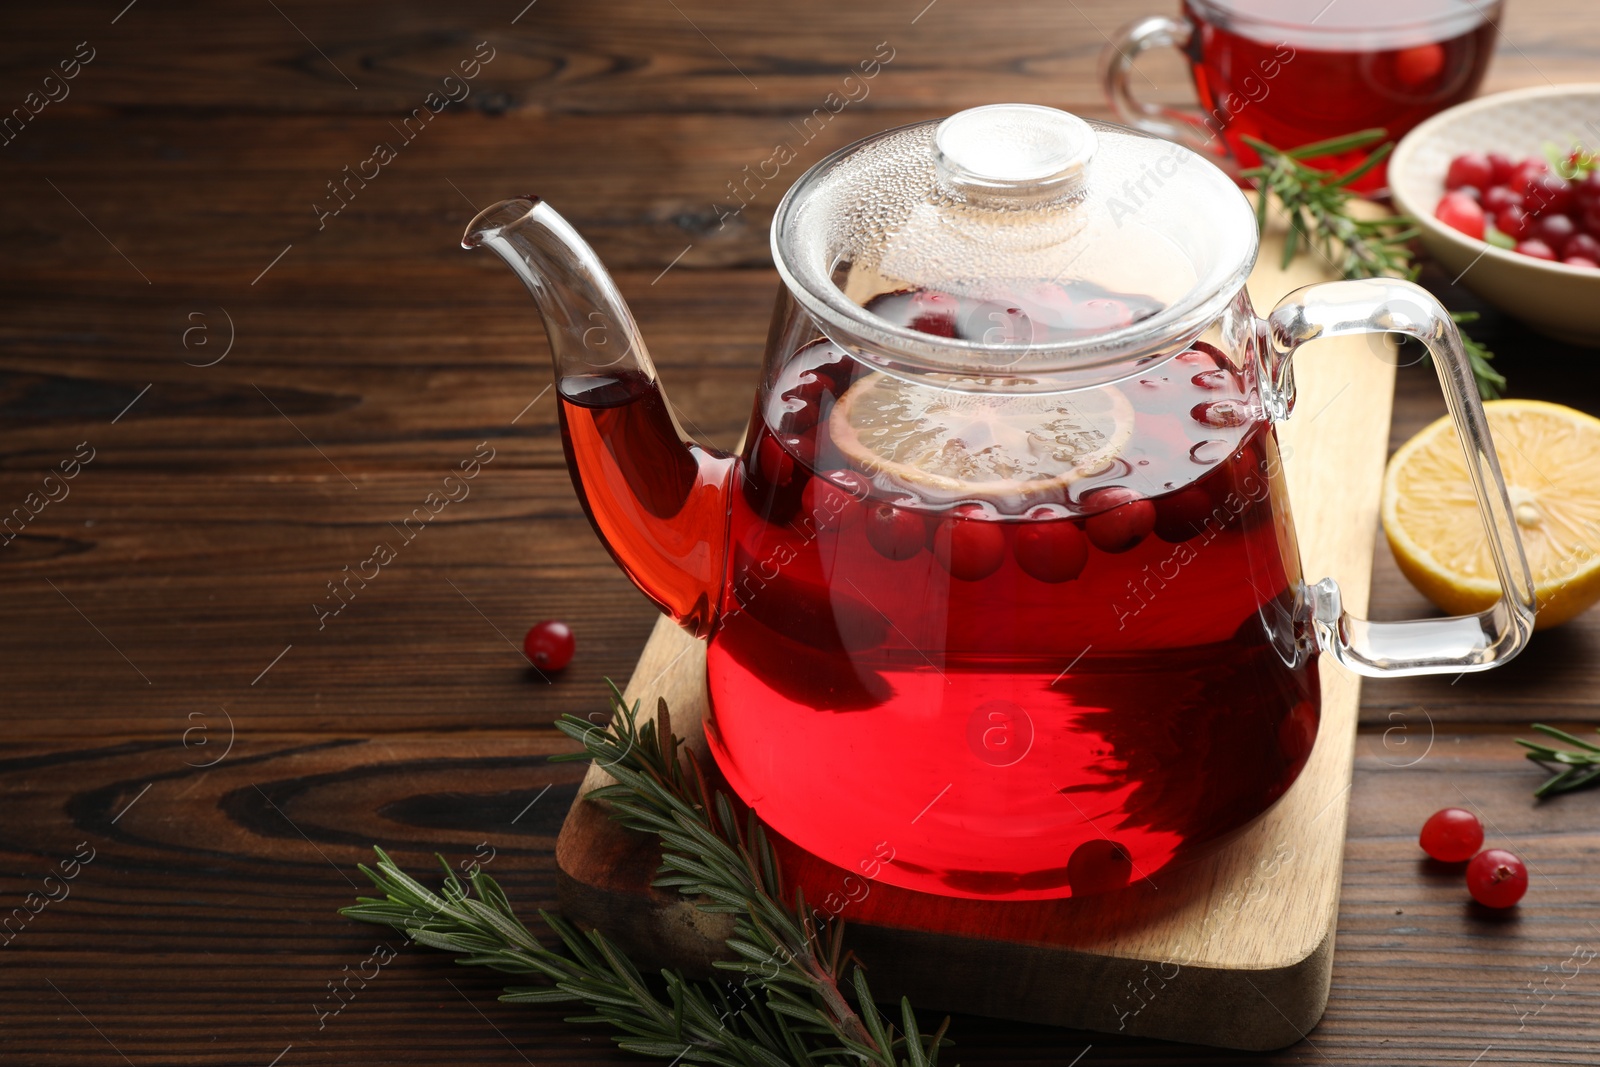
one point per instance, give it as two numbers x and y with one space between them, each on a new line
1573 769
1317 205
802 1000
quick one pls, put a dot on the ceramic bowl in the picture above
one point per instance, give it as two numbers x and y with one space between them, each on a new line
1561 301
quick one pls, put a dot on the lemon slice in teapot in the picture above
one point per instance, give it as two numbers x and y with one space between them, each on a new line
950 444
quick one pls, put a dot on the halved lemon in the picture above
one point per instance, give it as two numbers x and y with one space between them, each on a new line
947 444
1550 456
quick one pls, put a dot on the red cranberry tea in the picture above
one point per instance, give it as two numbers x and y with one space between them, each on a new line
1291 73
991 632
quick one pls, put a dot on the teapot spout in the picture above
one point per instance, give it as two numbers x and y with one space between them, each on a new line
590 327
658 500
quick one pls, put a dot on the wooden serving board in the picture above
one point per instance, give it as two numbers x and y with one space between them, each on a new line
1234 951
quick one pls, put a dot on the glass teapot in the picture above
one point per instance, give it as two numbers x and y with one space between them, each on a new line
1002 592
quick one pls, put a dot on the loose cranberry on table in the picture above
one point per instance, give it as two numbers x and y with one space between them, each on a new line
549 645
1497 878
1451 835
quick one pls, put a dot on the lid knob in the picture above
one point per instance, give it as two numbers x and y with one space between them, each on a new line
1014 150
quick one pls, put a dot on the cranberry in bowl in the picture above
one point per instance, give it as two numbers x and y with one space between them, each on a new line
1492 209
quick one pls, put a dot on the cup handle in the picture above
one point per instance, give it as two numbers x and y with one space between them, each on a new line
1417 646
1174 125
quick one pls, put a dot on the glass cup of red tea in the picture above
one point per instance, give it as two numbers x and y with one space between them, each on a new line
1294 72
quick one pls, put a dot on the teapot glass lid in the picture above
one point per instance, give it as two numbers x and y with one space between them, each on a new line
1014 242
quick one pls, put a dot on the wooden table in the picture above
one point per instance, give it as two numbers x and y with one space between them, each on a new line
268 388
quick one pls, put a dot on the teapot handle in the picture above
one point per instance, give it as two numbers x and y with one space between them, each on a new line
1416 646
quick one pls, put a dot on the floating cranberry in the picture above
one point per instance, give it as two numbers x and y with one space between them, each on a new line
1243 479
1591 219
1050 549
1451 835
775 463
1460 212
1469 168
968 544
549 645
1581 261
1497 878
897 533
1098 866
802 405
1181 515
834 500
1537 249
833 365
1128 520
1499 197
1419 66
1514 222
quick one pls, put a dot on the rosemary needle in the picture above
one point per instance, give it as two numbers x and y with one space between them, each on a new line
1573 768
795 997
1317 205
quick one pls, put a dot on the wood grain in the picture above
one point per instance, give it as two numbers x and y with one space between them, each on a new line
203 931
196 142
